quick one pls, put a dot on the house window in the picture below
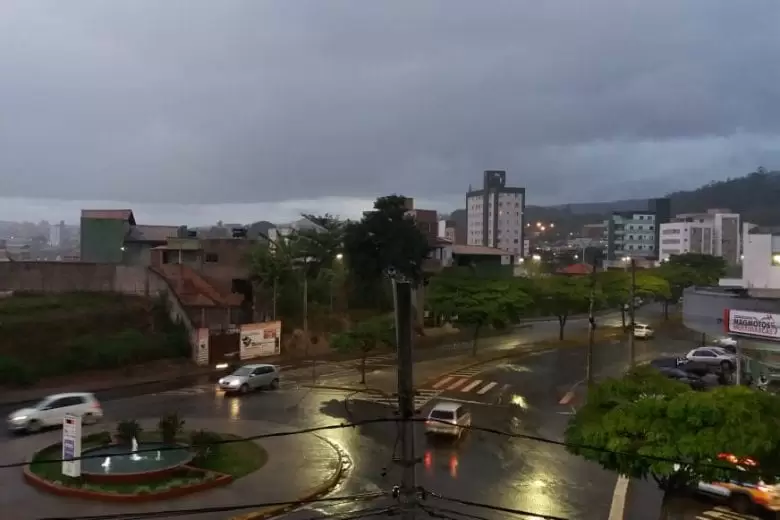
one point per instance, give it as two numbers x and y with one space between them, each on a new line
212 257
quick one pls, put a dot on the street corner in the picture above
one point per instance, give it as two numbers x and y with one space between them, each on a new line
325 471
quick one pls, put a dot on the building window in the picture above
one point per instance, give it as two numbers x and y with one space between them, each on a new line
212 257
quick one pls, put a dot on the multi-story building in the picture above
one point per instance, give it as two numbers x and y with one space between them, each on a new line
716 232
495 214
447 230
635 233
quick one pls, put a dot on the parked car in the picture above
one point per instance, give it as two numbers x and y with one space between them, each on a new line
447 418
689 378
51 411
251 377
713 356
643 331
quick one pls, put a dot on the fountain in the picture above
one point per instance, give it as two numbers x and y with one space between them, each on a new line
157 460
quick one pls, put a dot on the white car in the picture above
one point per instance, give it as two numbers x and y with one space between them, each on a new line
251 377
51 411
713 356
725 341
448 418
643 331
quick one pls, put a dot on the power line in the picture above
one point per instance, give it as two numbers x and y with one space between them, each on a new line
170 513
497 508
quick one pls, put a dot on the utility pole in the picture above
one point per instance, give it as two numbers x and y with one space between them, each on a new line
592 325
631 310
402 294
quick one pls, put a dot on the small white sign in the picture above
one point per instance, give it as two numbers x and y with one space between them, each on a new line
752 323
71 445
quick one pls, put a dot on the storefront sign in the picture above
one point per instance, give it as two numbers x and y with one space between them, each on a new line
261 339
752 323
71 446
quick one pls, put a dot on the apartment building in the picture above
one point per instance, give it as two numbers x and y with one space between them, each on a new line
635 234
495 214
716 232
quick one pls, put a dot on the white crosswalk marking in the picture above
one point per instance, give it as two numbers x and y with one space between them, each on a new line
422 398
487 388
723 513
442 382
456 384
469 387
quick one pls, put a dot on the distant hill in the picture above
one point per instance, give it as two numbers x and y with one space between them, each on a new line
755 196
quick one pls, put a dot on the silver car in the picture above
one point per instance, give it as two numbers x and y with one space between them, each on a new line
713 356
251 377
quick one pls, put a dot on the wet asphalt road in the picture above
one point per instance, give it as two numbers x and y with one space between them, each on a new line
523 396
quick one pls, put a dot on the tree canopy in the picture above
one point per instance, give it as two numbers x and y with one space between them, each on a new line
645 424
386 239
562 296
364 337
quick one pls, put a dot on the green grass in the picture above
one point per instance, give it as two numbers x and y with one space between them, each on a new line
237 459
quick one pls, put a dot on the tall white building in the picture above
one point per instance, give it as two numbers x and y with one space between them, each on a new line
496 214
716 232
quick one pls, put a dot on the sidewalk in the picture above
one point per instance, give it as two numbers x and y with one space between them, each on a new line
298 466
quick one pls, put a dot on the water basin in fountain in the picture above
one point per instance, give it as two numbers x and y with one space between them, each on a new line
117 463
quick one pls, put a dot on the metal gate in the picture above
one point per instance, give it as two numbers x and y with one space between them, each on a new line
224 347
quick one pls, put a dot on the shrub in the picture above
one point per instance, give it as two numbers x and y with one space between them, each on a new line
127 430
99 438
14 372
170 427
206 445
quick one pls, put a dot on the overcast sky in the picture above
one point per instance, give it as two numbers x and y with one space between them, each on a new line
259 101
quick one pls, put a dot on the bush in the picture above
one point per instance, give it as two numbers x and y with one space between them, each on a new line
99 438
14 372
127 430
170 427
206 444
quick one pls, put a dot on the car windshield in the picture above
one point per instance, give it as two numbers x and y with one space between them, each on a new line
442 415
243 371
43 403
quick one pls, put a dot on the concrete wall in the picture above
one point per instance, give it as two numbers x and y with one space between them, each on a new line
78 276
703 308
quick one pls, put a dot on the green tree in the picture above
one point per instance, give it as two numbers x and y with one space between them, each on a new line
363 338
478 302
678 277
704 269
645 424
616 288
271 266
562 296
386 239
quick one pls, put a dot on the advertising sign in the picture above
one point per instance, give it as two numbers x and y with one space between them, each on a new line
260 339
71 445
753 323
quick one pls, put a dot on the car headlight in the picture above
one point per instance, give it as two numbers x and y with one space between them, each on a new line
18 418
222 381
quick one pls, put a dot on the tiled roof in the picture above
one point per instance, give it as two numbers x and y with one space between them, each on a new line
152 233
109 214
477 250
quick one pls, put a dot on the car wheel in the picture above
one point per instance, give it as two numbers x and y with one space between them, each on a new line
741 504
244 388
275 384
34 426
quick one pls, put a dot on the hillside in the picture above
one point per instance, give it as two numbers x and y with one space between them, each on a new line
754 196
45 335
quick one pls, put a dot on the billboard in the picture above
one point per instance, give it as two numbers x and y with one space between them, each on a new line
260 339
752 323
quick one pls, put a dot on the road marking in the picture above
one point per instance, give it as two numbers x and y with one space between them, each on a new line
619 499
567 398
442 382
456 384
487 388
470 386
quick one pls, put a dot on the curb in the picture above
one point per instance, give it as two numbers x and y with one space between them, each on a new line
364 390
312 494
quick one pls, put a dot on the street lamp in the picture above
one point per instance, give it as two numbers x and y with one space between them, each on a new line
339 256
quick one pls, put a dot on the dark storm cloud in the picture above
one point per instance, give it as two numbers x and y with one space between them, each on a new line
232 101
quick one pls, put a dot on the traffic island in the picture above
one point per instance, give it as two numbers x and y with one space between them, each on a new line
151 466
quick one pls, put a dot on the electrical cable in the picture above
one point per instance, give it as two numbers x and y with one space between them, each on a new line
223 441
170 513
443 513
496 508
